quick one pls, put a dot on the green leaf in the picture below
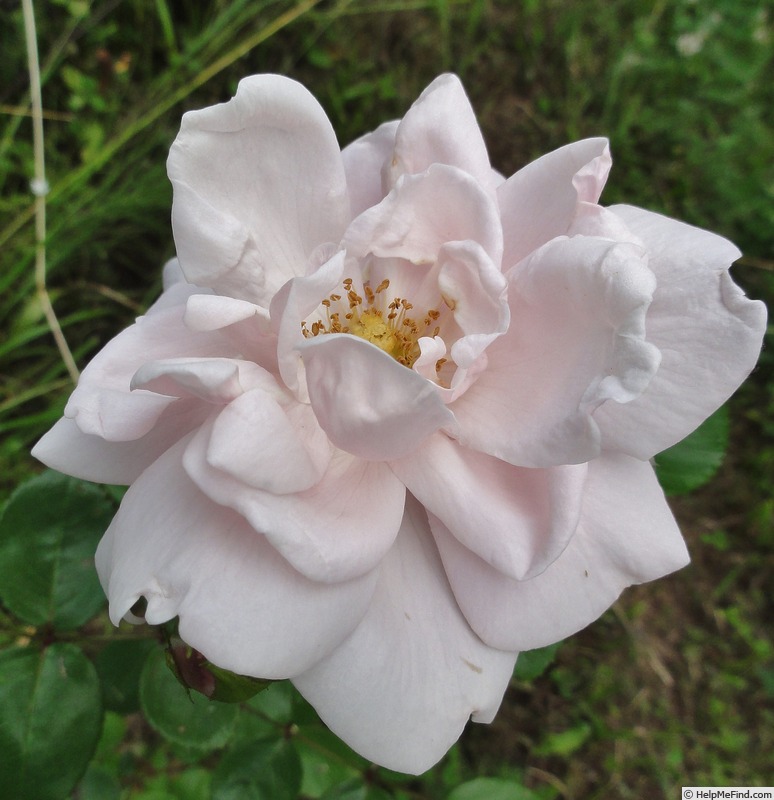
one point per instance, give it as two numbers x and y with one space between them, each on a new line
276 703
564 743
692 462
99 784
49 531
533 663
251 726
119 667
50 720
356 789
324 760
109 753
185 718
193 784
233 688
261 770
492 789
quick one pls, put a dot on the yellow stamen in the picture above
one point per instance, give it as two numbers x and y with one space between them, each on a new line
386 326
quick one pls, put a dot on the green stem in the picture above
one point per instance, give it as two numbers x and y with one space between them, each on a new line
39 187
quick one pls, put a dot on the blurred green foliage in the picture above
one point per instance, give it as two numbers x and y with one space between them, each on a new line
675 686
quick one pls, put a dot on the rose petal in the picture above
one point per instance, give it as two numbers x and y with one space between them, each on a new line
172 274
401 688
214 312
476 291
255 441
576 339
113 414
441 128
518 520
239 602
626 535
425 211
67 449
243 324
368 403
294 304
176 289
214 380
540 201
364 160
708 331
102 403
431 349
259 185
337 530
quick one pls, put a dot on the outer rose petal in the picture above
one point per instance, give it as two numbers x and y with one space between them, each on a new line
368 403
627 535
214 312
400 689
518 520
102 403
214 380
254 440
338 529
245 325
540 201
67 449
708 331
239 602
171 274
576 339
441 128
259 185
364 160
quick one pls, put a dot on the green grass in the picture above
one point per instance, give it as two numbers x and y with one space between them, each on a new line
673 687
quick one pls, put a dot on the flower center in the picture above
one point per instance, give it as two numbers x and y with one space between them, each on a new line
387 325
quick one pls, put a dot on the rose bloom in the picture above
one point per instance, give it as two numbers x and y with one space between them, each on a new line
390 421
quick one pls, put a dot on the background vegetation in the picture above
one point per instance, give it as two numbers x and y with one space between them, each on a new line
674 686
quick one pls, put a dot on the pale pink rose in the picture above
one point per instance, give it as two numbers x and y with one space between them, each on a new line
390 421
